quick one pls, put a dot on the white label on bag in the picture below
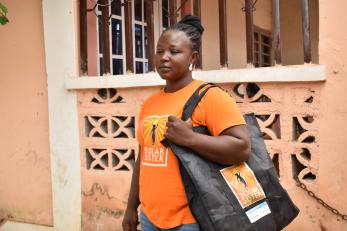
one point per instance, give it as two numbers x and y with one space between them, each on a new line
258 212
244 184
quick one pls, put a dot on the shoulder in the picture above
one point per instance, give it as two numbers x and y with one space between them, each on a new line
218 101
217 93
220 110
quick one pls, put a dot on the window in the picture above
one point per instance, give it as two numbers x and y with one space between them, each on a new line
140 37
165 14
117 34
262 52
117 42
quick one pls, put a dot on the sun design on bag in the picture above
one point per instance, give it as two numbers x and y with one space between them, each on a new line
153 129
243 183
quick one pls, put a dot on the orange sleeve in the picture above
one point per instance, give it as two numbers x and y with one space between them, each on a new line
220 111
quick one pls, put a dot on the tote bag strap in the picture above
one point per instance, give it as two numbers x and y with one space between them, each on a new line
191 104
194 99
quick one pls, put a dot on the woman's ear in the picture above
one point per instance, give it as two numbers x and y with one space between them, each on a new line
194 57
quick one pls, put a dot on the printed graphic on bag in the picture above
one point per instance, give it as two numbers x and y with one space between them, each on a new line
153 129
243 183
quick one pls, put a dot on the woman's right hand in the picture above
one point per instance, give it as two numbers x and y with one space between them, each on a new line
130 220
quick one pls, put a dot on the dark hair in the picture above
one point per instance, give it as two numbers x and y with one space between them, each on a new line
191 25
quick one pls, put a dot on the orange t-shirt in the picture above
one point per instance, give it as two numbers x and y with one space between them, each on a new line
162 194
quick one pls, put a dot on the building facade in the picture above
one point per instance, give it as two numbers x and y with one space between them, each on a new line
72 88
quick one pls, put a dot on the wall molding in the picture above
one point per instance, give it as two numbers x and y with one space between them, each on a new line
62 61
300 73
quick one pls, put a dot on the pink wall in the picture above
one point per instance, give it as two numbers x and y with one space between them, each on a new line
25 179
331 163
333 129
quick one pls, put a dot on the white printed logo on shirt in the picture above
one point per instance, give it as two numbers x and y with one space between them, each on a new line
153 129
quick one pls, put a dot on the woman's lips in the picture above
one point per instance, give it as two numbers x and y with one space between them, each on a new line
164 67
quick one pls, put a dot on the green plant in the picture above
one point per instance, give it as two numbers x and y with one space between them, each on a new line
3 12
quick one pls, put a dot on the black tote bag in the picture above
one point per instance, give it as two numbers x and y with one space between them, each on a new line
219 196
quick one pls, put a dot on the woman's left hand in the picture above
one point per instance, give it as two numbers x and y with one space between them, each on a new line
178 131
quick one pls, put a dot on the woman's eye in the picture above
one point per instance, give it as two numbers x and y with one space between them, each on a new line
174 52
160 51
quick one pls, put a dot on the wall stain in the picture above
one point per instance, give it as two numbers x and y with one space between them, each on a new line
97 188
102 220
61 170
322 227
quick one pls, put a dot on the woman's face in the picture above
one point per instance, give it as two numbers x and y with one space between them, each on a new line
174 55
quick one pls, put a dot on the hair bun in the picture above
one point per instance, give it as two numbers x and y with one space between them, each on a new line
193 21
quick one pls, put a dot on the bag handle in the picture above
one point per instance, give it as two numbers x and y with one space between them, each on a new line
191 104
194 100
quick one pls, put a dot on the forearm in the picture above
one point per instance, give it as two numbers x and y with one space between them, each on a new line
133 200
223 149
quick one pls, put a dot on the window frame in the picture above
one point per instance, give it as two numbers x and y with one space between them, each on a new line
143 25
260 52
158 29
99 52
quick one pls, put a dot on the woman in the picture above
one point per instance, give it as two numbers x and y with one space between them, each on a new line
156 182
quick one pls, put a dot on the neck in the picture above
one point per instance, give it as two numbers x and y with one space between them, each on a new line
175 85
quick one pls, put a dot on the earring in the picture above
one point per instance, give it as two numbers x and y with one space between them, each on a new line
190 67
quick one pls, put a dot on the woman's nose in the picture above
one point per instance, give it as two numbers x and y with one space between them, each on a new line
165 56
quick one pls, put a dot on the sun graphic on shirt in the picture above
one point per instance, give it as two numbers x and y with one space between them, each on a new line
239 177
153 129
